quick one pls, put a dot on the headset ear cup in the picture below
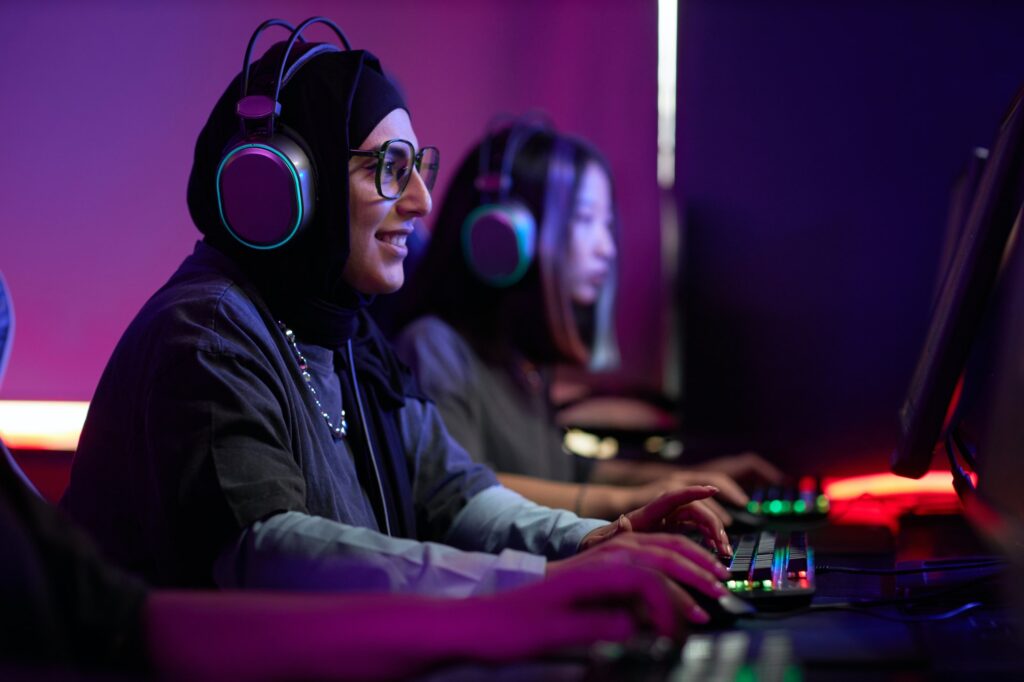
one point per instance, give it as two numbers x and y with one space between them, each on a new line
265 190
499 242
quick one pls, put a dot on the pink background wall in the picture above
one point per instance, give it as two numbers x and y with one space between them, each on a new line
102 101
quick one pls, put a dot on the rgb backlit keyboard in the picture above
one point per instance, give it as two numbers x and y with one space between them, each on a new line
772 569
804 502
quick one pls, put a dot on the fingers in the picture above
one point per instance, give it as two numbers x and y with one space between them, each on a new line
753 465
744 466
709 524
678 568
677 545
673 559
762 467
719 511
729 490
648 594
651 515
684 505
674 604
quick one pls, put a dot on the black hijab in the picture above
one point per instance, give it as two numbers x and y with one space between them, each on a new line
332 102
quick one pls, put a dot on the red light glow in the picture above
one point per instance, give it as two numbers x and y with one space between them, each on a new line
938 483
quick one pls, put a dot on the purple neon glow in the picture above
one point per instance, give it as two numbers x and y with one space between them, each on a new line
93 216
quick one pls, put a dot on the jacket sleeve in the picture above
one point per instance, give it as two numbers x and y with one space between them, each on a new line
293 550
458 509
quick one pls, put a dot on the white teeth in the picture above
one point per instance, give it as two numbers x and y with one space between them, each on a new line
394 239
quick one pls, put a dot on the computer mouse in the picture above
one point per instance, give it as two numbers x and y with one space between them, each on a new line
722 611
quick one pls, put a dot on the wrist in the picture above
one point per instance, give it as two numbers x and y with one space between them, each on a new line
605 501
578 508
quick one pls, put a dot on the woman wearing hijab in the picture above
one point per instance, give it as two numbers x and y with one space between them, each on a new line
66 607
489 322
253 428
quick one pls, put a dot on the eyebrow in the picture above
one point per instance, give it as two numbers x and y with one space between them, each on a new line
399 152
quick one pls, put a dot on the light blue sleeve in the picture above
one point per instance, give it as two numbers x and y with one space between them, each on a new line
500 519
297 551
489 518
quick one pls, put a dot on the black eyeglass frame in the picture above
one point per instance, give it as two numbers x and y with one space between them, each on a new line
381 155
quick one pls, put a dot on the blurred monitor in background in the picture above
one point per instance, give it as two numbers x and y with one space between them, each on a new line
963 299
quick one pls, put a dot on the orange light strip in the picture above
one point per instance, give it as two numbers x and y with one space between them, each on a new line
42 424
886 485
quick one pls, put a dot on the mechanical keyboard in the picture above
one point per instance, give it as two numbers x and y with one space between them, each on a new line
804 503
773 570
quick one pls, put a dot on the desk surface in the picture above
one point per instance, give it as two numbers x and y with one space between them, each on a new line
845 645
863 644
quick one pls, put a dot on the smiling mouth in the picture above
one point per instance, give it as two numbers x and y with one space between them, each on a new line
393 238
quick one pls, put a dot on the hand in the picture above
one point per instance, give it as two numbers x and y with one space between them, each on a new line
640 482
579 605
679 509
676 559
729 491
746 467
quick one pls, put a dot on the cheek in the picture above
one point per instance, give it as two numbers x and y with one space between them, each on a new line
577 257
363 223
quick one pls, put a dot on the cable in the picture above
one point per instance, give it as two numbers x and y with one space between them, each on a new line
907 571
863 609
863 606
369 442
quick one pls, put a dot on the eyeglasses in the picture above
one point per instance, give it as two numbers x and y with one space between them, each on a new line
395 161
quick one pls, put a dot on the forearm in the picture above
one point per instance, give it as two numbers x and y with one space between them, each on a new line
624 472
584 499
298 551
265 636
500 519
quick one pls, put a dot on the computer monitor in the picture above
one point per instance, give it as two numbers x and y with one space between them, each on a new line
965 293
985 437
961 196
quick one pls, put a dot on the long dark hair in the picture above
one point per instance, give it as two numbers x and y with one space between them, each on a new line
535 317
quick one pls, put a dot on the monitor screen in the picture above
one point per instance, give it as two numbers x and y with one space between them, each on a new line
986 432
963 298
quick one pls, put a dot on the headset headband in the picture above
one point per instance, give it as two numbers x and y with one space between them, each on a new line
246 63
259 107
498 184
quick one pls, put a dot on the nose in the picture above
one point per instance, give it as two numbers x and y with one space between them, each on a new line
415 201
605 242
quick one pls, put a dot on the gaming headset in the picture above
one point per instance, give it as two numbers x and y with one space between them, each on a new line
266 181
499 237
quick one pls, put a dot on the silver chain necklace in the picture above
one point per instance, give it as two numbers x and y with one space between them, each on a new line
341 430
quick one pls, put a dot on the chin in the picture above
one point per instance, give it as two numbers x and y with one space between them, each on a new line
376 284
388 285
585 298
